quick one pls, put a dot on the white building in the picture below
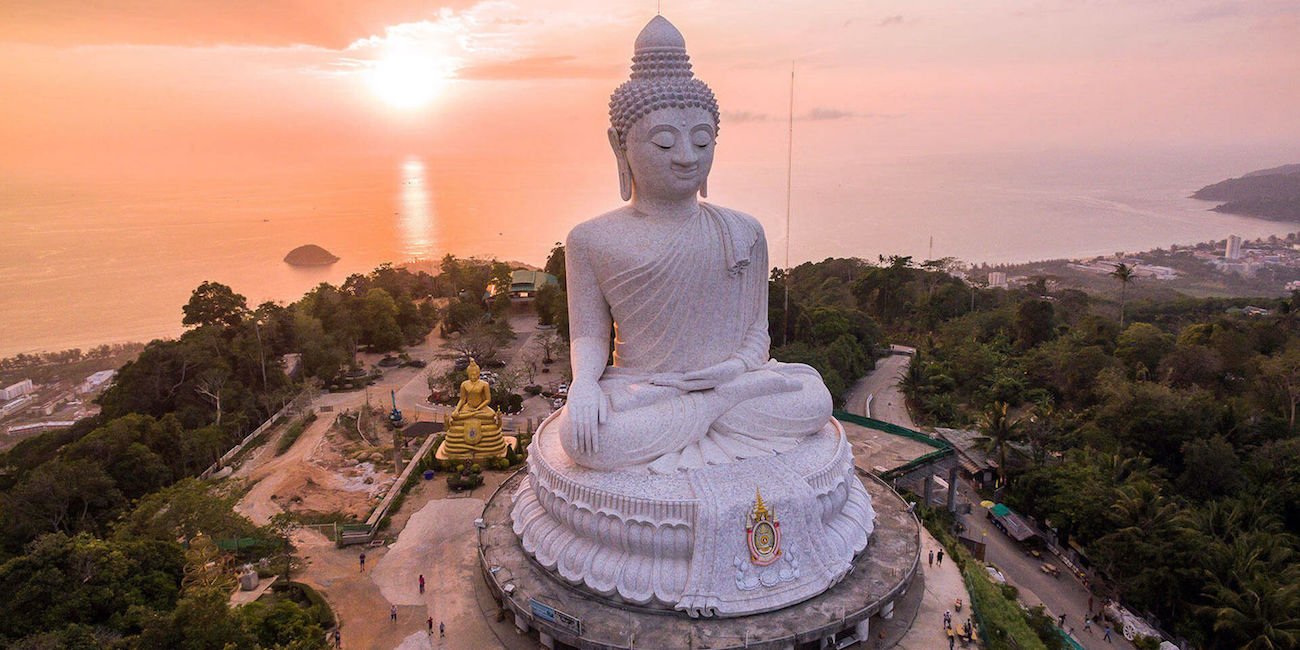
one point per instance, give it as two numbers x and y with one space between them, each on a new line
95 381
15 406
17 390
1233 249
997 279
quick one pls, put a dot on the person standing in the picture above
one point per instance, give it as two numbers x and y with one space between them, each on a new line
392 613
430 626
1087 625
362 561
1106 636
421 583
931 557
940 557
338 638
1062 619
442 630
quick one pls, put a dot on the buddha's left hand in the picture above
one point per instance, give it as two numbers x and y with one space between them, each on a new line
704 378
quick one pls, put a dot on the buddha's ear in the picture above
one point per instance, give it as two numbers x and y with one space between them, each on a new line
704 188
624 170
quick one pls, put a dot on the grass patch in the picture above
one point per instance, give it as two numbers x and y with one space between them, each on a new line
295 430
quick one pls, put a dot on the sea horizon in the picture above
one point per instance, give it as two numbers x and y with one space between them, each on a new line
113 259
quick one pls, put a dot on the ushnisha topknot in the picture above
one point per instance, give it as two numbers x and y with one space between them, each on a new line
661 78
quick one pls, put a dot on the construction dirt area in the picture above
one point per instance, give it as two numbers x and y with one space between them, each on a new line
332 473
328 472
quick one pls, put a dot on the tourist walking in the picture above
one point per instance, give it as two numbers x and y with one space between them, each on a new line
442 630
1062 618
362 560
931 557
338 638
392 613
1087 625
421 583
947 620
1106 636
940 557
430 626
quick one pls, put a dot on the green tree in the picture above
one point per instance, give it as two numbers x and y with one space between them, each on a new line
379 321
999 430
1123 273
1141 347
1035 323
64 580
213 303
1281 373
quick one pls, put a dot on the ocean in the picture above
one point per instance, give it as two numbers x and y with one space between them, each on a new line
113 257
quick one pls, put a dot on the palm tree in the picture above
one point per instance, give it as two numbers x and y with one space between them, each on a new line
1123 273
1261 615
1000 431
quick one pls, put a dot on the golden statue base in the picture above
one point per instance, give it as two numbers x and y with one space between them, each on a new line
473 439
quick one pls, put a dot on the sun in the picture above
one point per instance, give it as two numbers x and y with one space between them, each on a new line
406 81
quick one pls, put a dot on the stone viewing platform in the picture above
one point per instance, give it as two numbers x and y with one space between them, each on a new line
542 603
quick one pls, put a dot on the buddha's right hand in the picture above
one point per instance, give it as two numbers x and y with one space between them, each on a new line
587 408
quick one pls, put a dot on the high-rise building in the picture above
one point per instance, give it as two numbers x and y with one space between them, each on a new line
1233 250
997 279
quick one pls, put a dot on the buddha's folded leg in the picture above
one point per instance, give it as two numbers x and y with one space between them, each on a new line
792 414
641 435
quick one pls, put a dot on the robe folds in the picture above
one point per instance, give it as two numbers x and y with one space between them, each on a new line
688 301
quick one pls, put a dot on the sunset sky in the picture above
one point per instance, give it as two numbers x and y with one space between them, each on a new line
157 85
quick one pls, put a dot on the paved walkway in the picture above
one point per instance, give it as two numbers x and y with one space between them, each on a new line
943 583
881 385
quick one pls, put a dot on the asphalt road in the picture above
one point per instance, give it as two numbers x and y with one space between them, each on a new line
1064 595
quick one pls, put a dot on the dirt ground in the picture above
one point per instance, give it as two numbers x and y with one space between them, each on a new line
326 471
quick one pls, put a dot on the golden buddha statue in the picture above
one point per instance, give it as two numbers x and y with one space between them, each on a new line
473 427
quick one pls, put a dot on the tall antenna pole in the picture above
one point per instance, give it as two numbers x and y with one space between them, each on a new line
789 166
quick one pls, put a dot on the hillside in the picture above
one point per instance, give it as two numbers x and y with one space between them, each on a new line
1267 193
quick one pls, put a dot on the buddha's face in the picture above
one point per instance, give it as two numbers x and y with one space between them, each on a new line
472 372
670 152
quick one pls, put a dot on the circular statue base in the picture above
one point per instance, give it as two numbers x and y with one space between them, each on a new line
573 616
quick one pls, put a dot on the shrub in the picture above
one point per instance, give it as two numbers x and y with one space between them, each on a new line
295 430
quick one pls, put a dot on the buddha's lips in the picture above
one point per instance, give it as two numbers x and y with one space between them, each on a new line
686 173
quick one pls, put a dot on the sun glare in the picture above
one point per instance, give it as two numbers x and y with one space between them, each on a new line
406 81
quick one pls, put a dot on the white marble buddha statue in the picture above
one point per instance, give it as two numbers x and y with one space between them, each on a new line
683 286
693 473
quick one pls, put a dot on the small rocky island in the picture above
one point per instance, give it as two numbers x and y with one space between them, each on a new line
1267 193
310 255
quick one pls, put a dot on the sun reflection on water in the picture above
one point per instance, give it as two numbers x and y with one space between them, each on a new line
415 222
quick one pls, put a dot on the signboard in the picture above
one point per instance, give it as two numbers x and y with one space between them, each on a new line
547 613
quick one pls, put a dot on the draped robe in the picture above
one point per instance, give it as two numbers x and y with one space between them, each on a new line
688 301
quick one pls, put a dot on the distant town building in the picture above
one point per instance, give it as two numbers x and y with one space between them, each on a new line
40 426
16 405
96 381
17 390
1233 249
1293 285
997 279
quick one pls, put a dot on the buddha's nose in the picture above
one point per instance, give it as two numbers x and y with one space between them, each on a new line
685 155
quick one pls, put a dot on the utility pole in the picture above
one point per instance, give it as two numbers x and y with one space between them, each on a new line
789 170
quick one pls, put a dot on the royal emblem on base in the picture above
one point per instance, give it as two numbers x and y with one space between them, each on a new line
763 533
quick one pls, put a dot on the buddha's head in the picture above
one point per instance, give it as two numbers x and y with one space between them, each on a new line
472 370
663 121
